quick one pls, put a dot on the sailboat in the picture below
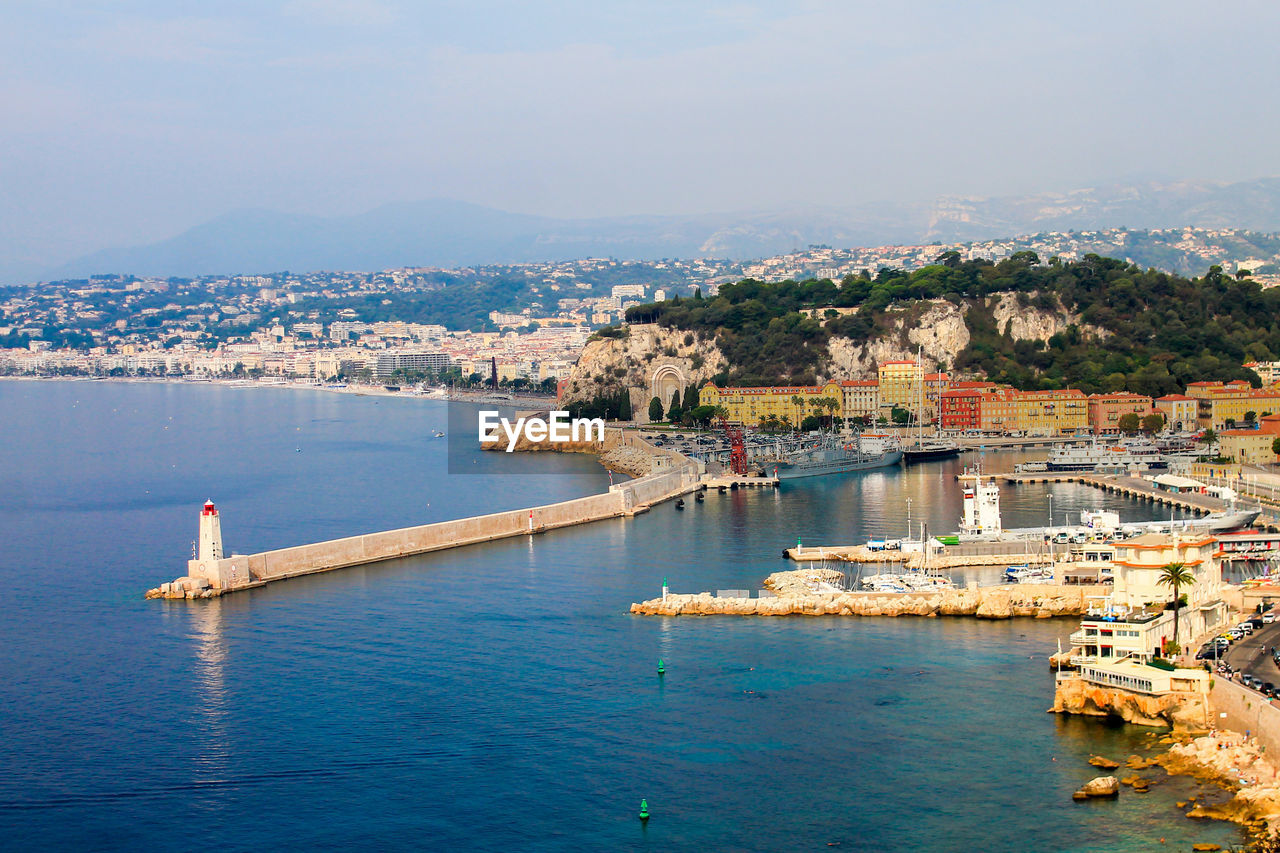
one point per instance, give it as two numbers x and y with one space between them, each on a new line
934 448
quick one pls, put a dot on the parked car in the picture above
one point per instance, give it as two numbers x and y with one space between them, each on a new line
1268 618
1256 621
1268 688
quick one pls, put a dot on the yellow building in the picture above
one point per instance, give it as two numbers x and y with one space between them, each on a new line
750 406
1225 404
900 383
1038 412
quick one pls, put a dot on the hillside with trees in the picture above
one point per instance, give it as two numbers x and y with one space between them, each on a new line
1159 331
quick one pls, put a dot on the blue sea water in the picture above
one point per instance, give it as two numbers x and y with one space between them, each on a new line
497 697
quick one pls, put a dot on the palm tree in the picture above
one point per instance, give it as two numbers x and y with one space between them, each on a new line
1176 575
1210 438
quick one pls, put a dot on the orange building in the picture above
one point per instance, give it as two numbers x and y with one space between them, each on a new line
1106 410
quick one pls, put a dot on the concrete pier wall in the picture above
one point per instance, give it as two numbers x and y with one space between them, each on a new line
243 571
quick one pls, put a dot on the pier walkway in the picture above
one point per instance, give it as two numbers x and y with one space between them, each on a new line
213 577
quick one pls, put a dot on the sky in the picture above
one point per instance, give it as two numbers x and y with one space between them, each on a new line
123 122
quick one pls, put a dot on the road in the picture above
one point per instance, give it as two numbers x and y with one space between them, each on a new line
1252 656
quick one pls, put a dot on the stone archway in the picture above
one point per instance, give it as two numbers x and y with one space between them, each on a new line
666 380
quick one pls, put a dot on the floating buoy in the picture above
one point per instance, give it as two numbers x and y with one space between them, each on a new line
661 668
644 809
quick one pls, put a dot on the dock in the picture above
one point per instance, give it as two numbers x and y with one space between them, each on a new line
1140 489
1010 552
739 481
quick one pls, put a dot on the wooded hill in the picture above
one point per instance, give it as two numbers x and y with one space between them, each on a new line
1161 330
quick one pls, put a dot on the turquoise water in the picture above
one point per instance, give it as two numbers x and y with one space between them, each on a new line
499 696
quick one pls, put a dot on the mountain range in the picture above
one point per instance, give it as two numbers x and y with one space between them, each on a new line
447 233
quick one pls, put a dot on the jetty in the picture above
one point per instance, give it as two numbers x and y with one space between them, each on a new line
813 592
1143 489
211 573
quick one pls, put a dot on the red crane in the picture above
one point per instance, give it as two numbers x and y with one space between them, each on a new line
737 448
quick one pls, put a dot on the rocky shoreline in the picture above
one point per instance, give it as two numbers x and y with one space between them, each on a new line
1235 763
799 593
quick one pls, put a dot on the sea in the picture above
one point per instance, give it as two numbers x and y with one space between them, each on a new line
499 696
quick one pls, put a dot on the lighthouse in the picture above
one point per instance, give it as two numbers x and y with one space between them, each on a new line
210 534
209 560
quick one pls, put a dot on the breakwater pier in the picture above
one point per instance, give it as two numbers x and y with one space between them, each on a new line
811 592
212 574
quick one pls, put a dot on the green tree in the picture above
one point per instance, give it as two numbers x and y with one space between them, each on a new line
655 409
673 412
1130 422
1210 438
1250 416
1152 423
1275 445
1176 575
690 397
900 415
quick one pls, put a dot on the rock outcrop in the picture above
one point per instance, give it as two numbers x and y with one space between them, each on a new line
1180 710
184 587
1235 763
1102 786
632 362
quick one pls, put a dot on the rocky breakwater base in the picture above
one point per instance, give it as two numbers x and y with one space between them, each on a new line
184 587
801 593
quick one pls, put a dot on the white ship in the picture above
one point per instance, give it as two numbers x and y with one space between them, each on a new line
1089 457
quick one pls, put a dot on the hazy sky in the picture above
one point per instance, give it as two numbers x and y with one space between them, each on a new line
125 122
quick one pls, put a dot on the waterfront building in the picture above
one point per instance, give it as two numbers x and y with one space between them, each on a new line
861 397
959 407
1132 620
1251 446
1181 413
1106 410
1054 412
410 360
1137 677
751 406
900 383
1223 405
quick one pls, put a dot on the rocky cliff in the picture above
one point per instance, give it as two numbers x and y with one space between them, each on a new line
633 361
1178 710
934 328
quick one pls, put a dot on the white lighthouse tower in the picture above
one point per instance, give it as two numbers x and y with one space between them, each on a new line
209 560
210 534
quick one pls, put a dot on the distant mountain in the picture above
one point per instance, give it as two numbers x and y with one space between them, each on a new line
451 233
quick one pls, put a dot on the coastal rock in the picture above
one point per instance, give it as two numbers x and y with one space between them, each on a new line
1229 760
1104 763
1206 848
1101 786
1176 710
995 605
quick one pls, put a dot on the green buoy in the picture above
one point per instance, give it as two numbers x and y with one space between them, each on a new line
661 668
644 809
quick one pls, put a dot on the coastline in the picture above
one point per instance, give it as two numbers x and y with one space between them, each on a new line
441 394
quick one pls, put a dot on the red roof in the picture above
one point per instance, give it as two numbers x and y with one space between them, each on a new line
1172 398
